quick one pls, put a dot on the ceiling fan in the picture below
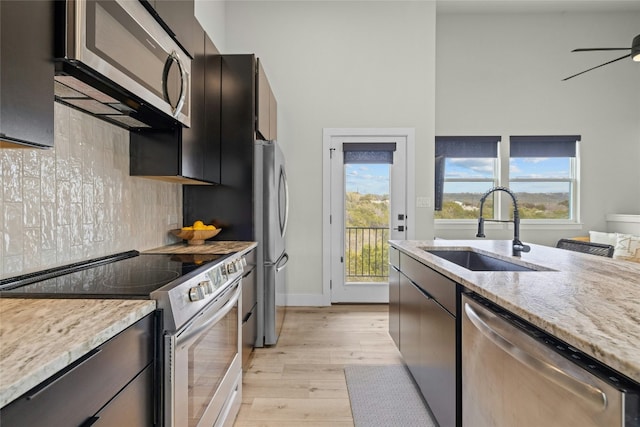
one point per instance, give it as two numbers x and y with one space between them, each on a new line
635 55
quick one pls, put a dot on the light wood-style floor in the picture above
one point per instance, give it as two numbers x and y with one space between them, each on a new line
300 382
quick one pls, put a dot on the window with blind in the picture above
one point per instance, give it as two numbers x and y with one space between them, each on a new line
543 174
466 167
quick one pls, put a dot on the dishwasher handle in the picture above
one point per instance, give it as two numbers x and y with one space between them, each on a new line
550 370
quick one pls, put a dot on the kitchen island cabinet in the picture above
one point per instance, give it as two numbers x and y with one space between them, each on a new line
578 298
569 297
72 341
394 295
427 314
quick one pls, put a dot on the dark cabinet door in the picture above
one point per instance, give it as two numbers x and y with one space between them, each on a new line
192 156
436 375
133 406
410 302
394 296
249 310
26 72
212 107
238 90
178 16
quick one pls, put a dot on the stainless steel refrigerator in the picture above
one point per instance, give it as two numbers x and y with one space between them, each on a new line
271 210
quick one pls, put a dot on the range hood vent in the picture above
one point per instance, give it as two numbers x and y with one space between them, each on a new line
104 101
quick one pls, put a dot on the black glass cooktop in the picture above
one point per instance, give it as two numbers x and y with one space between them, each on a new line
129 275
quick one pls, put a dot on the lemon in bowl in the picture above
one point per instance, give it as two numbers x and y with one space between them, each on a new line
197 233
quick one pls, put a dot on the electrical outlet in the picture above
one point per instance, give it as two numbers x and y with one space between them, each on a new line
172 219
423 202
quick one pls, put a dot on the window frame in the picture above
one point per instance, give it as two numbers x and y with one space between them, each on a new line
502 209
573 180
481 144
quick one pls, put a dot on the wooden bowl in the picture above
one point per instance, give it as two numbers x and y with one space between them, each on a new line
196 237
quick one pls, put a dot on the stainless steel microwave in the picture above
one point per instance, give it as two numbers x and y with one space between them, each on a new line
115 61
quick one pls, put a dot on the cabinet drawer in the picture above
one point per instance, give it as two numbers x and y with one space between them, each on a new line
249 327
77 392
133 406
249 291
435 284
394 257
251 259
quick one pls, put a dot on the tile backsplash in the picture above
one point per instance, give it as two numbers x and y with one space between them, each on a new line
77 201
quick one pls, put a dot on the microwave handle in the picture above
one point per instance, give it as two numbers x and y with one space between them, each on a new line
173 57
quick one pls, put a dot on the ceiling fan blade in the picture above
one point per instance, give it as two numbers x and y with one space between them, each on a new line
597 66
592 49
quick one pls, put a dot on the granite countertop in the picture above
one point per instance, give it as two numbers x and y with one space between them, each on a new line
39 337
214 247
590 302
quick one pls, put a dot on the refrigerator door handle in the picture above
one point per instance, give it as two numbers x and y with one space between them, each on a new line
282 262
286 203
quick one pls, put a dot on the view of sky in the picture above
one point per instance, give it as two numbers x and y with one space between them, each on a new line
367 178
374 178
543 168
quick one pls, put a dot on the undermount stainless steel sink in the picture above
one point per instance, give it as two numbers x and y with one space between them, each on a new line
475 261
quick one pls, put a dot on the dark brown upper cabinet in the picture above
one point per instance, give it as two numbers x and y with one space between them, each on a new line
266 106
26 73
187 155
212 107
177 18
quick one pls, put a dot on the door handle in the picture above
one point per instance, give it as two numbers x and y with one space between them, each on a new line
399 228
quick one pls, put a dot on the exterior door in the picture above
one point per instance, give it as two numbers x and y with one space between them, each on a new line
368 207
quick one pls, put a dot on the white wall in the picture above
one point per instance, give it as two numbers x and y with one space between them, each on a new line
500 74
211 15
338 65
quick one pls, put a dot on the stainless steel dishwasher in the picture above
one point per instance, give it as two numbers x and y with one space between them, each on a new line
514 374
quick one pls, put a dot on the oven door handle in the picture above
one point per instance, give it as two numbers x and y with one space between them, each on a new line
223 311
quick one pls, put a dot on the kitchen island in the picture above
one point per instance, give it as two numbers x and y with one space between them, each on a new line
39 337
591 303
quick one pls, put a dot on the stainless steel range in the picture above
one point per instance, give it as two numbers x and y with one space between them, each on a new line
199 297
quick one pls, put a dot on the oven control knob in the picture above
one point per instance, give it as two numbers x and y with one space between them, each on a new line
196 293
231 268
207 287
